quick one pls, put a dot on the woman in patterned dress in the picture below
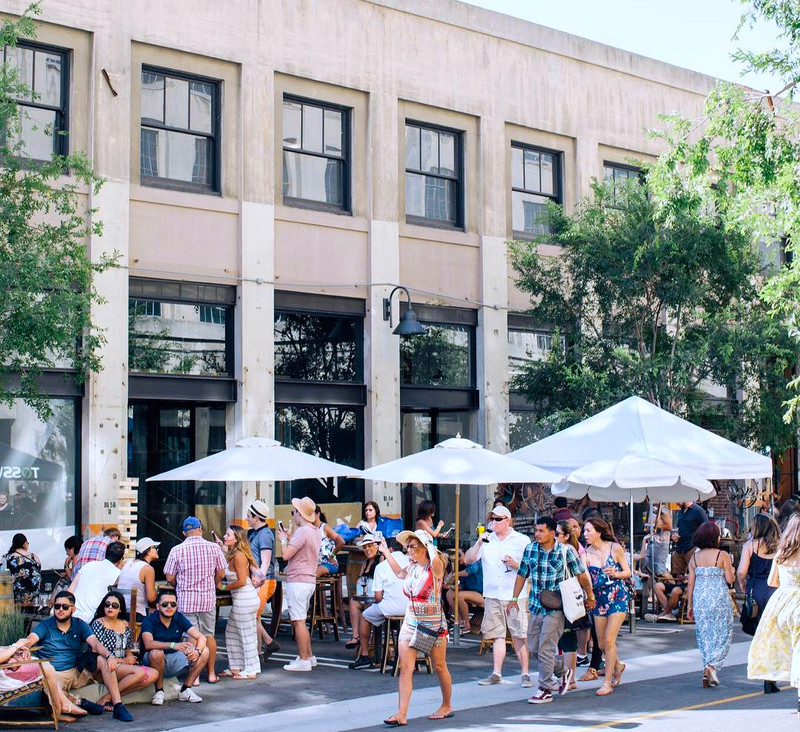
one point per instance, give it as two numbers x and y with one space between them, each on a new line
709 601
111 627
423 586
775 650
26 571
606 562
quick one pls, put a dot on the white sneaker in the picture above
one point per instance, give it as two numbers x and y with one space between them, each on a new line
158 698
299 664
313 661
189 696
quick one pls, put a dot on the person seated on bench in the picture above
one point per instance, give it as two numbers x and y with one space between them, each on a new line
470 589
390 601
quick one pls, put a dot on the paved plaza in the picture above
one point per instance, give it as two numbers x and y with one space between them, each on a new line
661 690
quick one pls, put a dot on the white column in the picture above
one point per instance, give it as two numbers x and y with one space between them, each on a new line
106 404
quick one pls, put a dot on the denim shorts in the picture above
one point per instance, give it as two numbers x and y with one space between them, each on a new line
174 663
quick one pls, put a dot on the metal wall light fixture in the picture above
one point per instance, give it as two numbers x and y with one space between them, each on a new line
408 325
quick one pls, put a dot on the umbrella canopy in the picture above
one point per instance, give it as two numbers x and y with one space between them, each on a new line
636 426
257 459
637 478
458 461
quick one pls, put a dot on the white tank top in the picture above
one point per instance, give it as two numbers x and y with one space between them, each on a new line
128 579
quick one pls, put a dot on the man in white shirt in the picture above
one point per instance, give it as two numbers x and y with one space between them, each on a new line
500 553
91 584
389 602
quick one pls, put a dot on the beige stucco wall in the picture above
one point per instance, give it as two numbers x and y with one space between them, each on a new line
495 78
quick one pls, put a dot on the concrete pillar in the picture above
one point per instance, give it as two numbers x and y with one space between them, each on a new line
254 413
104 460
381 348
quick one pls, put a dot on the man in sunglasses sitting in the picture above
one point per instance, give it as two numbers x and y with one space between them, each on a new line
61 638
169 652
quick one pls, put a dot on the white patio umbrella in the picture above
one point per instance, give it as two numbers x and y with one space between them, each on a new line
634 478
257 459
455 462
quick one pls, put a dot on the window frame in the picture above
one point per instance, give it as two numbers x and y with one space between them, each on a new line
346 112
61 135
458 152
214 187
558 182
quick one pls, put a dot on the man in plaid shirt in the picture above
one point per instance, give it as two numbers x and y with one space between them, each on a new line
194 568
543 562
94 549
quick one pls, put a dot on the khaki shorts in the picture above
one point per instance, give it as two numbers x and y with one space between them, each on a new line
496 621
71 678
206 623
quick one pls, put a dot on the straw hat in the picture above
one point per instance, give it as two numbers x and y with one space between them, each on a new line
369 539
420 535
305 507
259 509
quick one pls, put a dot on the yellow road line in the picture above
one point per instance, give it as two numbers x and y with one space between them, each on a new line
665 712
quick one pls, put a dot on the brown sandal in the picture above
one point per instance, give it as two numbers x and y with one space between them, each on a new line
590 675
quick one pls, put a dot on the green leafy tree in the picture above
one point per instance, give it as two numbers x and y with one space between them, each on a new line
655 293
46 272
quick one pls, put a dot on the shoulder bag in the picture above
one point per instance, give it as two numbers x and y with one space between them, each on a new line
571 592
424 638
750 613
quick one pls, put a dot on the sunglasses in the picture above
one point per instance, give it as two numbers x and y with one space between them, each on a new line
61 606
115 605
168 604
497 518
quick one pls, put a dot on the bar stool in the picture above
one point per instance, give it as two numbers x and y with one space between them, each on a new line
392 638
327 605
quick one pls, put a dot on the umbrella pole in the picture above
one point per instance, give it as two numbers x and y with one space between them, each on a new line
456 640
632 616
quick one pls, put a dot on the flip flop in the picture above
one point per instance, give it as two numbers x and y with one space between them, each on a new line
442 716
244 677
393 722
227 673
352 643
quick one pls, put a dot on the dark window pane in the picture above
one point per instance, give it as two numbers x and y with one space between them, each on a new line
292 121
312 128
177 106
528 213
201 106
312 347
173 338
48 78
332 433
333 132
37 128
429 143
447 154
412 148
441 357
152 97
313 178
517 177
149 153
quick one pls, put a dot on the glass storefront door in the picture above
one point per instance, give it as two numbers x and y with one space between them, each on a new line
162 437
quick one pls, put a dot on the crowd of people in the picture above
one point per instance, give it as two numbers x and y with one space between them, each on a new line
511 582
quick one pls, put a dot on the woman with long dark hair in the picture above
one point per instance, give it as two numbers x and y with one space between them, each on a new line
111 627
26 571
369 517
709 602
606 562
425 512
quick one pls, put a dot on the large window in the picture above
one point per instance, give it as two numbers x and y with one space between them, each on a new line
443 356
315 154
43 112
535 181
39 480
433 176
618 176
179 131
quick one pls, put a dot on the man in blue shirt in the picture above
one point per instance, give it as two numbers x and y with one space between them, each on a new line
543 562
163 635
62 638
690 518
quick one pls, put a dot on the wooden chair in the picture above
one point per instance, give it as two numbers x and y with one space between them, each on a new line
327 606
39 685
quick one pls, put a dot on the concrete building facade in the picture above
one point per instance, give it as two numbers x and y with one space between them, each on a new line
273 169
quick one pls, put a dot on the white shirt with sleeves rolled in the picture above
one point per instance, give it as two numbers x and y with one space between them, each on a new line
498 580
384 579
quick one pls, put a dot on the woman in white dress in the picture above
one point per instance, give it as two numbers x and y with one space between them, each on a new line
241 638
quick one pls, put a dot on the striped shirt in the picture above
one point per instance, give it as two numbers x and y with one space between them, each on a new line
194 563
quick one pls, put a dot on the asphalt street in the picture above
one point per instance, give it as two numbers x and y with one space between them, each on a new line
661 690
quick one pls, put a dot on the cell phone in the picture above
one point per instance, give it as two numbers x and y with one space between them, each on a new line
213 533
280 526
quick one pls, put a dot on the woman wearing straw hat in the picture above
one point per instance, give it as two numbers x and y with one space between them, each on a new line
423 586
300 550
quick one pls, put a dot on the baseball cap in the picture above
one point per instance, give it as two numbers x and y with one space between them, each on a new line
144 544
500 511
191 523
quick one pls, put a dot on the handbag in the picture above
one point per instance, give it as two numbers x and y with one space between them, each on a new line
571 592
424 638
750 613
550 599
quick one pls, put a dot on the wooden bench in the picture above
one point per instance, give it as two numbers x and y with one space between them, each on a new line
38 685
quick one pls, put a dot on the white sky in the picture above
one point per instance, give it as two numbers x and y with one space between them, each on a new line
695 34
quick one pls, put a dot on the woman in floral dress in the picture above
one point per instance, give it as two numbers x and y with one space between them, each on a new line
775 650
606 562
709 601
26 571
